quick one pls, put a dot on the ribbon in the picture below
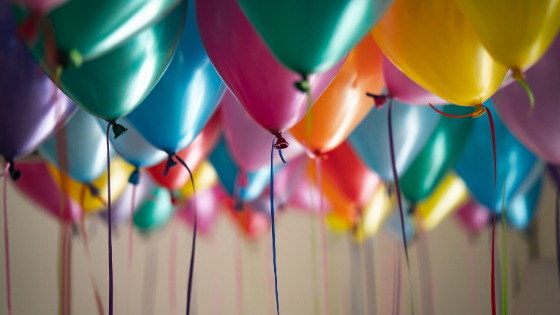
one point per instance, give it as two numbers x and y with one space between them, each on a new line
173 270
323 235
556 177
110 240
7 243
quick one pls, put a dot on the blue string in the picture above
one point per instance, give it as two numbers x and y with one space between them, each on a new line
272 219
280 153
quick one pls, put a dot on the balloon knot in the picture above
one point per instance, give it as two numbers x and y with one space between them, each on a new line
281 142
380 100
134 178
94 191
170 163
518 75
14 173
118 129
479 111
303 84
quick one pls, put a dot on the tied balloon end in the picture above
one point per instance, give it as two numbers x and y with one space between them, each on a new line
520 77
379 100
15 174
303 84
118 129
134 177
280 145
170 163
94 191
479 111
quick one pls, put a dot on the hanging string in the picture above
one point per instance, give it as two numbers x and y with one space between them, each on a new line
363 267
472 276
193 250
479 111
395 312
556 177
520 77
313 253
504 245
323 235
426 275
130 239
239 274
110 217
7 243
67 268
173 269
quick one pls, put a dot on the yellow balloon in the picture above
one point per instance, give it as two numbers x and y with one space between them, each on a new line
205 177
338 222
434 44
515 32
375 214
450 194
120 171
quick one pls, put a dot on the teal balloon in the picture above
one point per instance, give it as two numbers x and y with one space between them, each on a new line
522 206
476 165
443 149
155 212
228 172
112 85
310 36
94 27
412 127
185 98
85 147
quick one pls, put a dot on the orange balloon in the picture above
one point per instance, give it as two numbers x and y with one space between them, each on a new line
344 103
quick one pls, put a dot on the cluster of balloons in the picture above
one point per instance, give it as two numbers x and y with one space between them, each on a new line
135 87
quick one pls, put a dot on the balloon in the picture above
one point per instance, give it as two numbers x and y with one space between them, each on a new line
155 212
394 226
207 204
190 89
85 148
412 127
112 85
443 149
260 83
344 103
402 88
285 182
32 107
305 197
120 208
205 178
249 143
448 197
433 43
193 155
476 165
251 223
337 222
376 212
39 186
119 180
229 174
473 216
133 148
538 131
41 6
521 208
516 33
91 28
309 37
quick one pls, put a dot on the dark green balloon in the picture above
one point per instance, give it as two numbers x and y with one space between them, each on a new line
156 212
114 84
94 27
442 150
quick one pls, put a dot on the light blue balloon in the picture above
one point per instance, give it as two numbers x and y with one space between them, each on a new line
86 148
476 165
227 171
133 148
412 127
521 208
184 99
155 212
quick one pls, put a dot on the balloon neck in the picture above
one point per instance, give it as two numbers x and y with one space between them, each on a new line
379 100
281 142
479 111
118 129
134 178
15 174
170 163
520 77
303 84
94 191
517 74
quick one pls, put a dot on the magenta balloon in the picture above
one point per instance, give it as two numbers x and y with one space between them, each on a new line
41 6
207 203
262 85
249 144
40 187
402 88
306 197
474 216
540 131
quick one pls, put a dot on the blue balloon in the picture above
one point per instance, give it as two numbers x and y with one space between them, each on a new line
476 165
133 148
228 172
86 148
521 208
179 106
412 127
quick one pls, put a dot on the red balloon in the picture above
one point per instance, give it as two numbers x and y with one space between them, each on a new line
193 155
251 223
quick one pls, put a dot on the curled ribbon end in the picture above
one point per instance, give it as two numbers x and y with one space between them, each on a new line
118 130
302 85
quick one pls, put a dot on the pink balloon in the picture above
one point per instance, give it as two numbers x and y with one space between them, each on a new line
306 197
207 203
250 144
262 85
540 131
37 184
41 6
402 88
473 216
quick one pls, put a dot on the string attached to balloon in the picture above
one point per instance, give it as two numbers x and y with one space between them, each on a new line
109 219
313 253
173 269
556 176
479 111
520 77
134 183
7 243
323 233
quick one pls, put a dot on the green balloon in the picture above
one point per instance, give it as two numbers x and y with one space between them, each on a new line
114 84
156 212
93 27
310 36
442 150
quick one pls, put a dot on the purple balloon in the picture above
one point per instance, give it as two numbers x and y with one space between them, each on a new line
539 131
473 216
32 107
207 204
